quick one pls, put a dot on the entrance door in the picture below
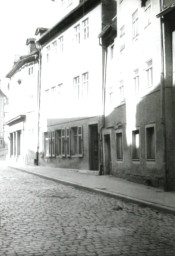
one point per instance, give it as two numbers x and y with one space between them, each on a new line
107 154
93 147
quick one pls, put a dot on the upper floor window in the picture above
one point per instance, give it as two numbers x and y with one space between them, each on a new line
121 91
85 24
60 44
147 13
135 24
54 48
84 87
149 73
136 80
77 33
76 85
122 38
30 70
48 53
59 89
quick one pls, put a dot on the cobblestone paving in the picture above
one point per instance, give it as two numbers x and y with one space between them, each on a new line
41 217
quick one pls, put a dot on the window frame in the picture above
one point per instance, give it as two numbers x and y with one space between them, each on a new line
135 24
149 73
118 157
135 154
77 151
150 159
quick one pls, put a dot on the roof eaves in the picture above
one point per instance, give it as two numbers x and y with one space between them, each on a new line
71 17
166 11
23 60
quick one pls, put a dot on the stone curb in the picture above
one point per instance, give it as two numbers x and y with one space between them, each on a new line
122 197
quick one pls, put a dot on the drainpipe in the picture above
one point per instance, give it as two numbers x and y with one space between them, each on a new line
39 103
104 68
162 90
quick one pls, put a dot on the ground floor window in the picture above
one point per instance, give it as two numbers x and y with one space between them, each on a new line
119 145
150 143
15 143
64 142
76 141
136 145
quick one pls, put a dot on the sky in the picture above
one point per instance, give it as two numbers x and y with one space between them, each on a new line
18 21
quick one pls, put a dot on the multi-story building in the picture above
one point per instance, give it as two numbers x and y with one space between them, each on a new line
3 145
138 106
23 107
71 86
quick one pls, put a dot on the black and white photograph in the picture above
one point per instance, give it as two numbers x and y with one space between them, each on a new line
87 128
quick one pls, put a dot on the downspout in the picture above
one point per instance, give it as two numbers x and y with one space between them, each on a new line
39 103
104 68
162 90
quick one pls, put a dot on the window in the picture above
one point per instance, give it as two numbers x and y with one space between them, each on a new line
58 142
54 49
149 73
76 85
136 81
60 44
77 33
49 144
148 13
76 141
84 85
119 145
121 91
135 27
150 143
48 53
68 142
122 38
52 144
63 142
30 71
135 145
85 24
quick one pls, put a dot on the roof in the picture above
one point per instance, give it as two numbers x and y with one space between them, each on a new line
16 119
166 10
23 60
68 20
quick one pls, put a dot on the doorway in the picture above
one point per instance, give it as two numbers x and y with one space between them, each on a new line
107 154
93 147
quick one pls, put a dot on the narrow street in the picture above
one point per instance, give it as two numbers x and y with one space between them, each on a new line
41 217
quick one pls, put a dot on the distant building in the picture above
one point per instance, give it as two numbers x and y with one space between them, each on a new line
23 107
3 145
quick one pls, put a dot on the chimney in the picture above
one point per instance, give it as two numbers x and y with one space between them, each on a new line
40 31
31 45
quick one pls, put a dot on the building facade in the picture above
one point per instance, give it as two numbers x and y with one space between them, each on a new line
71 86
23 107
138 127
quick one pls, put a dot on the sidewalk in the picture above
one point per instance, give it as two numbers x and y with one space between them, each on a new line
108 185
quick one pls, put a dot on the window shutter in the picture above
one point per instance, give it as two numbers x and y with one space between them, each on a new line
68 142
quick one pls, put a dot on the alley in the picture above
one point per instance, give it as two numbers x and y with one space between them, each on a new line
41 217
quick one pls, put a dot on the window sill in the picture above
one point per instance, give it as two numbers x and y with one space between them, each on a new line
76 156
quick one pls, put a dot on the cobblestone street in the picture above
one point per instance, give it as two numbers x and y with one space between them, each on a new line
42 217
